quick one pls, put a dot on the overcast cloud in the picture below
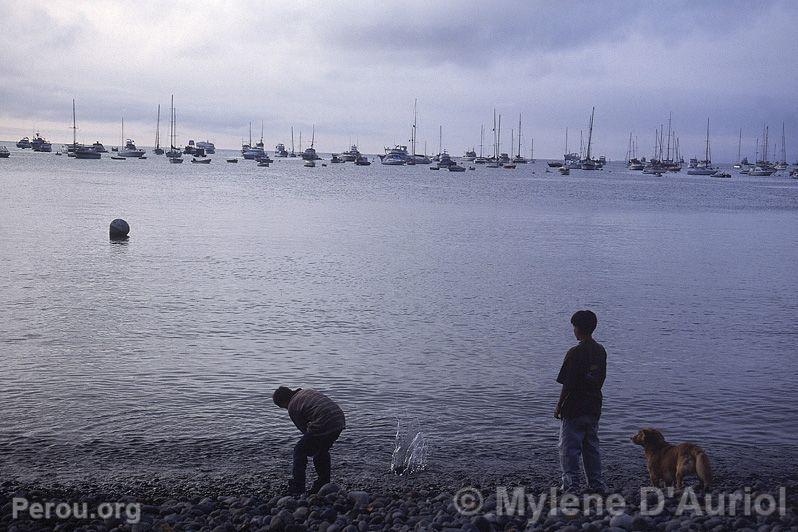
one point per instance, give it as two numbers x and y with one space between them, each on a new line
354 68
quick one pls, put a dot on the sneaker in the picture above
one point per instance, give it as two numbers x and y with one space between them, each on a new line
316 487
293 489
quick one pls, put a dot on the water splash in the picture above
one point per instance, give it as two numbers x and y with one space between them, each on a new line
410 449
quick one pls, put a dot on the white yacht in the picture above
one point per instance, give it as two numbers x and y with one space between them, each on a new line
396 156
130 150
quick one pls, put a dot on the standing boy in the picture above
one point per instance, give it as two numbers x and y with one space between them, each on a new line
582 376
320 420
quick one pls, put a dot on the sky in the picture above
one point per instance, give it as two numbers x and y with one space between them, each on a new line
354 69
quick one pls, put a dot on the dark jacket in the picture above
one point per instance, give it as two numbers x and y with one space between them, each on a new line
314 413
582 376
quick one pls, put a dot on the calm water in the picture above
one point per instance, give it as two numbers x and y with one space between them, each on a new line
400 292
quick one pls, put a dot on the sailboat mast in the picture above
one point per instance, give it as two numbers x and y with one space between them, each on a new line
415 123
519 134
495 152
292 140
668 155
707 152
440 140
739 145
783 145
74 126
481 138
499 137
512 142
158 128
590 133
566 141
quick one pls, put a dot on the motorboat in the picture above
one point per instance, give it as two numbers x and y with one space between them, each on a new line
263 164
396 156
264 159
362 161
481 160
564 170
39 143
253 153
721 174
201 160
118 158
208 146
702 168
456 168
177 159
470 155
351 155
87 152
4 153
130 150
509 166
280 151
98 147
24 143
762 171
554 164
445 160
336 159
310 163
232 160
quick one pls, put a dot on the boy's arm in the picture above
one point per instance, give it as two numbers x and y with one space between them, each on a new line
559 403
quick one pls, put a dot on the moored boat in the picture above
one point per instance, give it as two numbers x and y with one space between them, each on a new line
24 143
4 153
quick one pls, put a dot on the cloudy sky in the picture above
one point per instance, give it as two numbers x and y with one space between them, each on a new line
354 68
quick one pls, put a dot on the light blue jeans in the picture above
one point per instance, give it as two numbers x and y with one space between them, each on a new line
579 437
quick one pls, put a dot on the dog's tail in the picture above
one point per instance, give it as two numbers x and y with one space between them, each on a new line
702 467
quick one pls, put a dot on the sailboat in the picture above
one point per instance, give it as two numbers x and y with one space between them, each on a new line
293 153
416 158
481 159
518 159
704 167
782 163
493 161
175 154
310 153
80 151
158 150
129 150
763 166
588 163
741 163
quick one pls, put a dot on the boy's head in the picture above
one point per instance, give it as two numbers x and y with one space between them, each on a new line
282 396
584 322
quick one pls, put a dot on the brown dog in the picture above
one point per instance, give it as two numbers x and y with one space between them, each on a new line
668 464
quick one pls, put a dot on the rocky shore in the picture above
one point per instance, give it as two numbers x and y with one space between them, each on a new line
251 504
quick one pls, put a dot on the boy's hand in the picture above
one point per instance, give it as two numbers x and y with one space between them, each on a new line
557 411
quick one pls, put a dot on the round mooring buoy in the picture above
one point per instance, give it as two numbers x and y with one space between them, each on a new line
119 229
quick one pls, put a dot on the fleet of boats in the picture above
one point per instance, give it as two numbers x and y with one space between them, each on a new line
666 157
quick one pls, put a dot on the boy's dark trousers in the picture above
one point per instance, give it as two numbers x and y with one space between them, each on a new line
317 446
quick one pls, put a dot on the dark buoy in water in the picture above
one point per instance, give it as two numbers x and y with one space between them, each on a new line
119 229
